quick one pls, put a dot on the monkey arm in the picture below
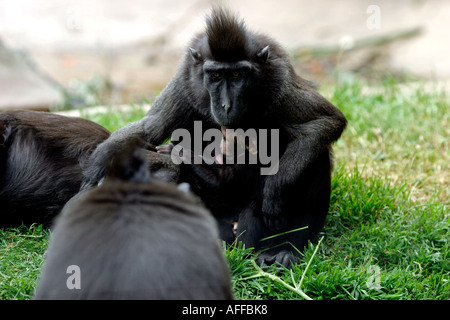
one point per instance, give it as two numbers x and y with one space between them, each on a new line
150 128
308 141
159 123
94 168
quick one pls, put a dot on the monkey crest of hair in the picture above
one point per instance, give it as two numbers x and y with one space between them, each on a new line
227 36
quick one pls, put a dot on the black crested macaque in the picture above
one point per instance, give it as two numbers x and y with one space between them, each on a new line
234 78
135 237
40 156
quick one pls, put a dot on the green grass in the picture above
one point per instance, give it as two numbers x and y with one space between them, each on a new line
398 132
387 233
21 257
371 226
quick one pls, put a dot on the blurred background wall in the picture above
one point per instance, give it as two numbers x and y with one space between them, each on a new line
75 53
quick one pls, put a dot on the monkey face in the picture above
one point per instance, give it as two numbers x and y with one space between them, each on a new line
227 84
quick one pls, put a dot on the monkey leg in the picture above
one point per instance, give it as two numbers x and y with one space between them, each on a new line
305 208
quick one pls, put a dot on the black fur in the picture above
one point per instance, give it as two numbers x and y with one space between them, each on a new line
40 155
232 77
227 40
135 237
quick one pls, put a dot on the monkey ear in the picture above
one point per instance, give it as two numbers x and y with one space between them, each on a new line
263 55
195 55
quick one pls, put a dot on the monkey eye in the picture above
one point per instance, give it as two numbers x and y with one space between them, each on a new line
216 74
236 74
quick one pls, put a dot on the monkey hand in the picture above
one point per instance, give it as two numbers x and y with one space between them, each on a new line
165 148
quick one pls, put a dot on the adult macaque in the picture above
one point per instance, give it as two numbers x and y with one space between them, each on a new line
134 237
235 78
40 156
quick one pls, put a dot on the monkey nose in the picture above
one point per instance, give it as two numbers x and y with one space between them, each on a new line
226 106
